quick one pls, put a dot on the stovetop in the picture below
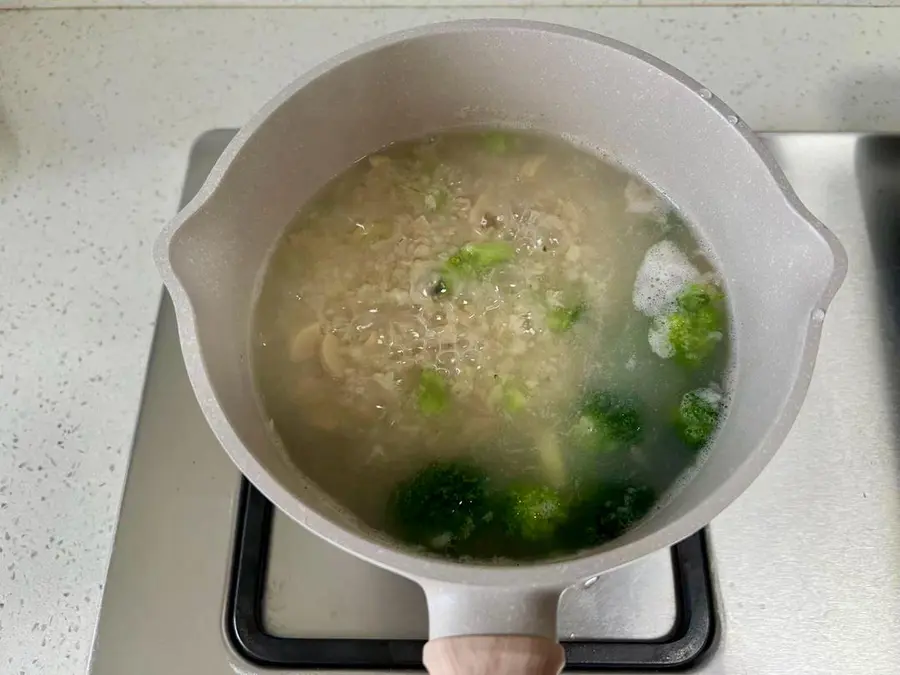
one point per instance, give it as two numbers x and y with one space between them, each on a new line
656 613
801 575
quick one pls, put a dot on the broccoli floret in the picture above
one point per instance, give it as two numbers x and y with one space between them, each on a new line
474 261
509 396
514 398
697 325
533 512
698 416
608 422
441 506
561 319
606 512
497 142
477 259
433 392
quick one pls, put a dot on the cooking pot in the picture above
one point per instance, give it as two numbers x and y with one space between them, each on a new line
781 268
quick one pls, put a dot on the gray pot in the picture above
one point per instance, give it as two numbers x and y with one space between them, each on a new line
781 268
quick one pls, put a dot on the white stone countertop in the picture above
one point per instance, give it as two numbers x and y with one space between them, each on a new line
97 111
69 4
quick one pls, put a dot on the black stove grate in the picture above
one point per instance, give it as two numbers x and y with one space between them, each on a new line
689 640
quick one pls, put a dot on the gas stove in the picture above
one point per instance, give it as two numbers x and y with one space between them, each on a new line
801 575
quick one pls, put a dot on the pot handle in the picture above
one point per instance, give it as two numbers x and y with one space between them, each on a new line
496 631
494 655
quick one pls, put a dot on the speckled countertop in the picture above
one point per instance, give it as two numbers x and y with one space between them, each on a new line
97 111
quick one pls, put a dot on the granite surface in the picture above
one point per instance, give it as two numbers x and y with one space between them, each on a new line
97 111
441 3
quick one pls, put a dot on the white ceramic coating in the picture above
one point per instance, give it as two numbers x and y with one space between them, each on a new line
781 266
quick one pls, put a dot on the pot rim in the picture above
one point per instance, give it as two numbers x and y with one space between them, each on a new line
551 574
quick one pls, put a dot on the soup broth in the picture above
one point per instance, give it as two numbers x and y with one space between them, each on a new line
491 345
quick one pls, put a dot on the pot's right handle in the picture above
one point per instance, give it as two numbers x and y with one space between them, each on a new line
492 631
494 655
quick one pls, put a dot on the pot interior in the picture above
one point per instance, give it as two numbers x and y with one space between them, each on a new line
777 266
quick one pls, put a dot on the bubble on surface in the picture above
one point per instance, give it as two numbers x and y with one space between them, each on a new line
664 271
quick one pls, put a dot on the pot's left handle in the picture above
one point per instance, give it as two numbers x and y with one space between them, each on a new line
494 655
492 631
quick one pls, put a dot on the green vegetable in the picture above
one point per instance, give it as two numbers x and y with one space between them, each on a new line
561 319
433 392
608 422
605 512
533 512
514 398
474 261
696 327
497 142
698 416
441 506
480 258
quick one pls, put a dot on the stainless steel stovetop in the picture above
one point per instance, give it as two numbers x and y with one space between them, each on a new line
805 566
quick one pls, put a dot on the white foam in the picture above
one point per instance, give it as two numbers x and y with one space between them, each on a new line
664 271
658 337
710 396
